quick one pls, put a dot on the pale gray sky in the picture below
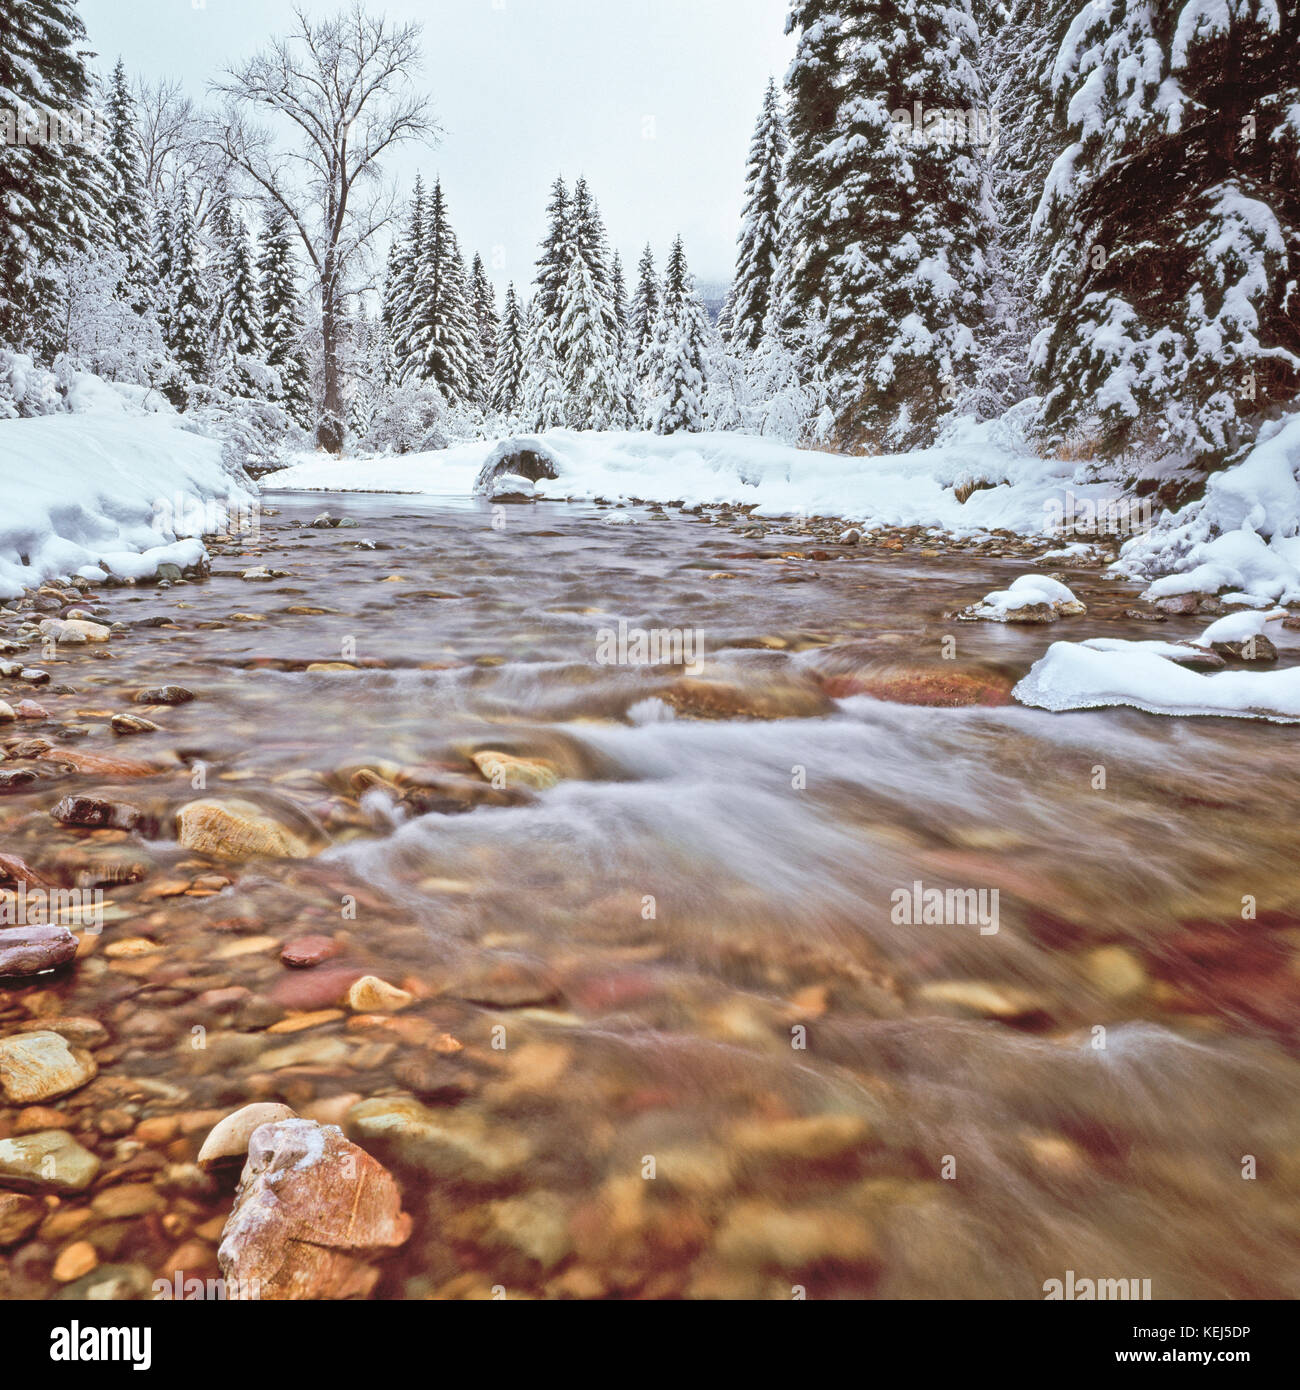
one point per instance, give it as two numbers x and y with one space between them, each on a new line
653 100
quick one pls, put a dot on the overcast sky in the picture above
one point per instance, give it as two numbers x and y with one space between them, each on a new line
653 100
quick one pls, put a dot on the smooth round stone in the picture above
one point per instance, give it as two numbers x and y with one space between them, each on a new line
31 950
306 951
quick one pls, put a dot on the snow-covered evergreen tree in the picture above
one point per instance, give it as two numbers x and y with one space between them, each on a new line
126 207
1171 226
400 303
52 190
678 354
553 263
162 255
508 366
186 332
588 365
445 339
760 232
543 405
592 244
237 335
891 207
644 313
484 299
282 323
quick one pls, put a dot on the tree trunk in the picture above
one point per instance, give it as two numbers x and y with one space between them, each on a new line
329 430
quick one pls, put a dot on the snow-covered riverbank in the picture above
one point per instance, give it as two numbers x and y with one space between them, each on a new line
107 492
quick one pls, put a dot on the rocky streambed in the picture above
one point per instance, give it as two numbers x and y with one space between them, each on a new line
800 963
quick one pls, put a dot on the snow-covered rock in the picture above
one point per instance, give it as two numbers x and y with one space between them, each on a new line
1074 676
1033 598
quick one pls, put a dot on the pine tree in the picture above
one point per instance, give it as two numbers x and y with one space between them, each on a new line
400 305
125 206
642 317
186 333
508 367
162 254
52 191
543 406
553 264
588 367
679 352
484 299
239 330
444 340
890 206
760 233
282 325
1171 227
589 239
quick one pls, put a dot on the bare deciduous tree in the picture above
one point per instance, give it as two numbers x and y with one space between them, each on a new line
342 87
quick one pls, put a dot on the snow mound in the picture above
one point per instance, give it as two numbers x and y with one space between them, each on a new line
108 493
1243 535
1074 676
1033 598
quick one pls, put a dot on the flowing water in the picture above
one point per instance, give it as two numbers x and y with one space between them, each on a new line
675 1030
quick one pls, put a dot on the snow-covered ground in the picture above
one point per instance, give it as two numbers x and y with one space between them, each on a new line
916 489
108 490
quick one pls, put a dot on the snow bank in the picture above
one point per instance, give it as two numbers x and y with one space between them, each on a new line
1086 676
107 492
1023 493
1242 536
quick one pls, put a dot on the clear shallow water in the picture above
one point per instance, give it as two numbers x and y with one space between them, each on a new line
691 941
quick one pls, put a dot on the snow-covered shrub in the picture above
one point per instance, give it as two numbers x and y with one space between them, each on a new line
25 388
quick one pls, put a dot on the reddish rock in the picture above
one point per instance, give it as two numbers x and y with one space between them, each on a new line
96 813
17 871
29 709
315 989
309 950
312 1212
31 950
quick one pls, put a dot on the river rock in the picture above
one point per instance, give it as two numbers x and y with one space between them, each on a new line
305 951
52 1161
7 714
31 950
40 1066
93 812
695 698
506 770
237 829
312 1212
164 695
371 995
132 724
74 631
19 1217
230 1138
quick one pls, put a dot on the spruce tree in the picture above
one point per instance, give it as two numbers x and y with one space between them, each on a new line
679 352
643 315
444 339
186 333
543 405
239 332
400 303
52 192
162 254
588 237
484 298
891 208
508 365
125 205
760 233
1170 227
282 324
553 264
588 367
